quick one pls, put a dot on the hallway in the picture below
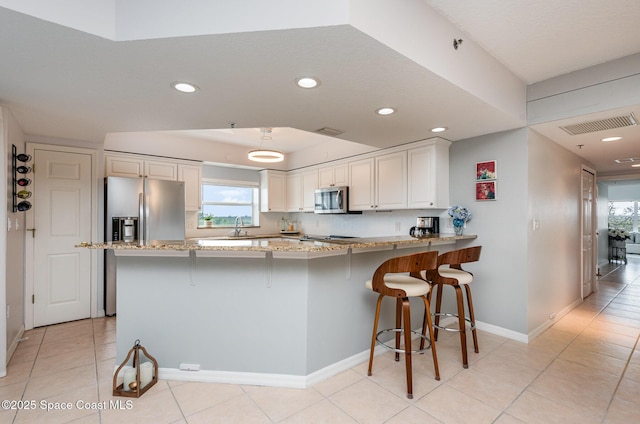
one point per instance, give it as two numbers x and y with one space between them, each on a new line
585 369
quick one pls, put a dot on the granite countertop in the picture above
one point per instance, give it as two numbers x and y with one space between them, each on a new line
280 243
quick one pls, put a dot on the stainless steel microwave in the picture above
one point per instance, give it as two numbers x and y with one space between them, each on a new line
332 200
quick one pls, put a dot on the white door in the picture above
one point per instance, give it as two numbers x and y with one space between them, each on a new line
62 219
588 220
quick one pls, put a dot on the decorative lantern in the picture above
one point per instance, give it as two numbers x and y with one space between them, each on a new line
139 377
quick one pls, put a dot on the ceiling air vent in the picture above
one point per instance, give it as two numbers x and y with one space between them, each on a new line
329 132
601 125
627 160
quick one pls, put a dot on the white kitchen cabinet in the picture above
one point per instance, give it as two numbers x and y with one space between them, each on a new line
301 188
192 177
428 176
273 192
333 175
379 182
361 185
119 166
294 192
391 181
161 170
137 166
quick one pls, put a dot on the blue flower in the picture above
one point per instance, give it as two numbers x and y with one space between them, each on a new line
460 214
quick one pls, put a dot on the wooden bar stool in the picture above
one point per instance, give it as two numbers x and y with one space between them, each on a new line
449 272
389 280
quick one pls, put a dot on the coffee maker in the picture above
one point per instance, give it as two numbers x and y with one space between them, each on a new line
426 226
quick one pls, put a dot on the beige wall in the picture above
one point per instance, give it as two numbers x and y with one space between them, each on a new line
14 248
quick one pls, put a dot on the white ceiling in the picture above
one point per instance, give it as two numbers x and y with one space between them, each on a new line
65 83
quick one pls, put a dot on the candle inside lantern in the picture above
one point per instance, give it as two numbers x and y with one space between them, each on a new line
146 373
129 377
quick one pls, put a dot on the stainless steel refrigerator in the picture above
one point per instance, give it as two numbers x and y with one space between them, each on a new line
150 210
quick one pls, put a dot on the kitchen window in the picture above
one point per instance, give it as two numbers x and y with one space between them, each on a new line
224 201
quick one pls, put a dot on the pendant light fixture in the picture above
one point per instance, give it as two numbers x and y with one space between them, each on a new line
265 155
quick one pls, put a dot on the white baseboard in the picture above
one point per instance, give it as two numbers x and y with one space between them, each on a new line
14 344
305 381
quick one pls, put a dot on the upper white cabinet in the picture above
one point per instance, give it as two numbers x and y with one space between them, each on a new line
428 175
161 170
138 166
273 196
192 177
361 185
379 182
391 181
119 166
301 188
333 175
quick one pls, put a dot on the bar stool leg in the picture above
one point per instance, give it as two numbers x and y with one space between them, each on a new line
399 307
407 344
429 324
375 331
462 326
438 288
472 317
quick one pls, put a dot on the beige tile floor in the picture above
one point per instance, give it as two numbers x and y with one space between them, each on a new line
585 369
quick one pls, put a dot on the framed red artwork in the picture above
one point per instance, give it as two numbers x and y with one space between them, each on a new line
486 170
486 190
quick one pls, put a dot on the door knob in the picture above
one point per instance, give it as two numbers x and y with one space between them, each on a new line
33 232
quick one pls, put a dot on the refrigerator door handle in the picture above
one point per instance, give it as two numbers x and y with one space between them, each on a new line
142 220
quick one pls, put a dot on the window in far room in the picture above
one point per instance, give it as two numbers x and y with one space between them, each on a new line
224 201
623 215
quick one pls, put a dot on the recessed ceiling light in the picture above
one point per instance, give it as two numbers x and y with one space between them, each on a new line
636 165
385 111
611 139
438 129
308 82
184 87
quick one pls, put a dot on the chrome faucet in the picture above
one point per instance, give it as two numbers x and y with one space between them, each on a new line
239 225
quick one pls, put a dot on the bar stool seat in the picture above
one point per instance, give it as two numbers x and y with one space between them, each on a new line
400 277
463 277
411 285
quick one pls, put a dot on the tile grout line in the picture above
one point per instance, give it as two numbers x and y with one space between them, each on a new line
557 356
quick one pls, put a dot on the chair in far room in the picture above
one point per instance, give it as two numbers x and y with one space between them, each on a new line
400 278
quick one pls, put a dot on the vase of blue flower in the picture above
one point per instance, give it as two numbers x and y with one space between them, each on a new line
460 216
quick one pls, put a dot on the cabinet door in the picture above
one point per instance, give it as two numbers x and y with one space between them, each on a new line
428 171
361 184
391 181
335 175
160 170
308 185
192 177
294 190
116 166
273 191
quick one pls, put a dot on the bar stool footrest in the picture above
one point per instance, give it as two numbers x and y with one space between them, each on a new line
401 330
470 325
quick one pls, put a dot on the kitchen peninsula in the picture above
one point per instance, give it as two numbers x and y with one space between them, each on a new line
266 311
